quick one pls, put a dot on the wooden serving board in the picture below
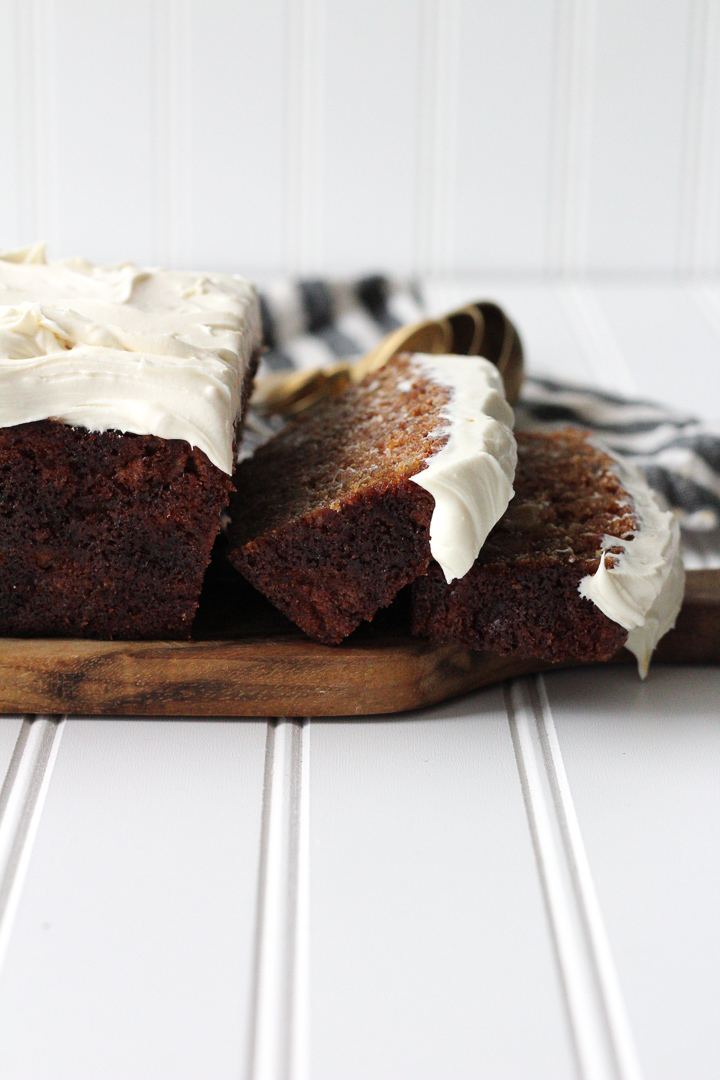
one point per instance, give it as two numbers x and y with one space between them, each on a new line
261 665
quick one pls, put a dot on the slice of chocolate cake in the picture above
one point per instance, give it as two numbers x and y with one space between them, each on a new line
348 504
583 562
122 391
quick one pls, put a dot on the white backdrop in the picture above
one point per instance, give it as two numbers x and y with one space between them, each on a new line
439 136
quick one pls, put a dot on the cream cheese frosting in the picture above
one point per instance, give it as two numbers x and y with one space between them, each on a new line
471 476
643 591
124 347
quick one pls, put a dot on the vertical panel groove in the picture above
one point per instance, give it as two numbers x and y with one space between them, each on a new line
437 146
601 1032
21 803
260 898
425 164
571 135
36 146
172 120
699 217
278 1045
46 148
181 201
25 66
20 76
160 244
9 123
304 136
300 1018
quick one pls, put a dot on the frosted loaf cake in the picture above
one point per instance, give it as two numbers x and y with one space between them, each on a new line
583 562
349 503
122 390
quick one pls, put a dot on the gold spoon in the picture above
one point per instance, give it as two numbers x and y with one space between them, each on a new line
478 329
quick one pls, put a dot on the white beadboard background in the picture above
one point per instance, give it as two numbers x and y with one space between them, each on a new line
524 883
424 136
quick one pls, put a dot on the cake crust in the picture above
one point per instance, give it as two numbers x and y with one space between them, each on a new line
326 521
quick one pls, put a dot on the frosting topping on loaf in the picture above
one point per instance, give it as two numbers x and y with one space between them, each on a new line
471 476
643 590
134 349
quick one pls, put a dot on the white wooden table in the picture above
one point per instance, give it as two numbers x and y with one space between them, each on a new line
523 883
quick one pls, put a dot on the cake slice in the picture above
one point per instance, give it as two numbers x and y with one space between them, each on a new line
122 392
348 504
583 562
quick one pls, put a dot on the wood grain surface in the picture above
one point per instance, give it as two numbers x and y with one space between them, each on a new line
258 664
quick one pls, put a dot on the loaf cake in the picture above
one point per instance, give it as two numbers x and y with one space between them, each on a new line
347 504
583 562
122 390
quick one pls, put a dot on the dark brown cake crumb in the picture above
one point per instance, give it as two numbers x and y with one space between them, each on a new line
521 595
326 521
103 534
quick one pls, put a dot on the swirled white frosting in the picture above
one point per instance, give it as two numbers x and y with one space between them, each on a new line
471 476
138 350
643 591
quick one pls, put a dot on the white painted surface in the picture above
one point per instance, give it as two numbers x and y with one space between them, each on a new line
550 345
9 120
278 1042
672 342
371 135
441 136
656 340
596 1010
639 100
137 914
9 730
22 801
95 131
232 154
643 761
430 951
497 183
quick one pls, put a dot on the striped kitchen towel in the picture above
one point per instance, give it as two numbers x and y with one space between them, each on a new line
311 323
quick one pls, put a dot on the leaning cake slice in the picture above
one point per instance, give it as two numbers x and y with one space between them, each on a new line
122 391
583 562
349 503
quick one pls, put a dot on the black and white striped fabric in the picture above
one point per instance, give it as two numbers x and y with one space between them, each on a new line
311 323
